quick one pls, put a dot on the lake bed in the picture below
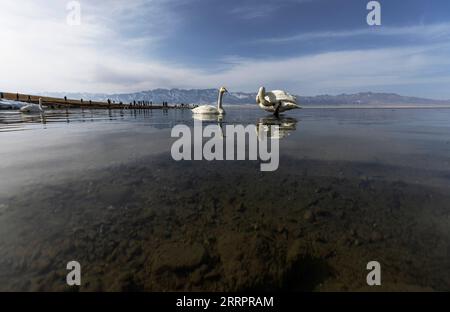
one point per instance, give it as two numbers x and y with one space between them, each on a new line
101 187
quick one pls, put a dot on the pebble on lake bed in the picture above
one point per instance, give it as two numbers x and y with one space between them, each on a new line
176 256
309 216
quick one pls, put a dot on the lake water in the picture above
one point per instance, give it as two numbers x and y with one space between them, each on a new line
101 188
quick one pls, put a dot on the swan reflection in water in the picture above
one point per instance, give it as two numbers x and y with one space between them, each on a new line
33 118
208 117
212 119
286 125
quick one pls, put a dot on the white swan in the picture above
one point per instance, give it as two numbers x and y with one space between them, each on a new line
32 108
276 101
209 109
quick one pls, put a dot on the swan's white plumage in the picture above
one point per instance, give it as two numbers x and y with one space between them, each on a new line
209 109
276 96
275 101
205 109
32 108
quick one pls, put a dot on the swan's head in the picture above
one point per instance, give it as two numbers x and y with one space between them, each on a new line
223 90
260 95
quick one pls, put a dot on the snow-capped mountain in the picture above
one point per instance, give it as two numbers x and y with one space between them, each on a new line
207 96
173 96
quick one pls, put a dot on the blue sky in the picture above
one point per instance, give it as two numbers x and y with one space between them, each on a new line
304 46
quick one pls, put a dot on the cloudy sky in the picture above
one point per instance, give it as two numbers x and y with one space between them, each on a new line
305 46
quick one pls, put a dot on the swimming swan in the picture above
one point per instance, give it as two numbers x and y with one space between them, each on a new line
209 109
276 101
32 108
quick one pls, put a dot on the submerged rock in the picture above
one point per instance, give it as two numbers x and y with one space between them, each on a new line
176 256
376 236
241 207
294 252
309 216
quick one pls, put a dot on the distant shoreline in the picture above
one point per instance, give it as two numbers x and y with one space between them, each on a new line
344 106
66 103
209 96
72 102
379 107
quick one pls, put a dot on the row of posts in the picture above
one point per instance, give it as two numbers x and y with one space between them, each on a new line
134 104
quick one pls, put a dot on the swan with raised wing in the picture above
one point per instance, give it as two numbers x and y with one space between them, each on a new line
32 108
276 101
212 110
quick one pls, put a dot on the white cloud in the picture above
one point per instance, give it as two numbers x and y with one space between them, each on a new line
333 72
430 32
260 8
250 12
40 52
343 71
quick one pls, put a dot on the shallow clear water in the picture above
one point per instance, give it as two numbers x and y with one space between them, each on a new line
101 187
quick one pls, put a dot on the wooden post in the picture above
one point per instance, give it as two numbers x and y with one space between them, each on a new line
17 96
29 99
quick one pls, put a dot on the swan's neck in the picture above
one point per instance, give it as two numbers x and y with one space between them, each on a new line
261 93
262 97
219 101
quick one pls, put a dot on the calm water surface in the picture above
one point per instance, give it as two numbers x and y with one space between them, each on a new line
101 187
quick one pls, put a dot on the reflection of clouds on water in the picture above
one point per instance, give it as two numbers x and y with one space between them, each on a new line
286 125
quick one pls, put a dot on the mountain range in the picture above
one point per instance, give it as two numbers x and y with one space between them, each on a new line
209 96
